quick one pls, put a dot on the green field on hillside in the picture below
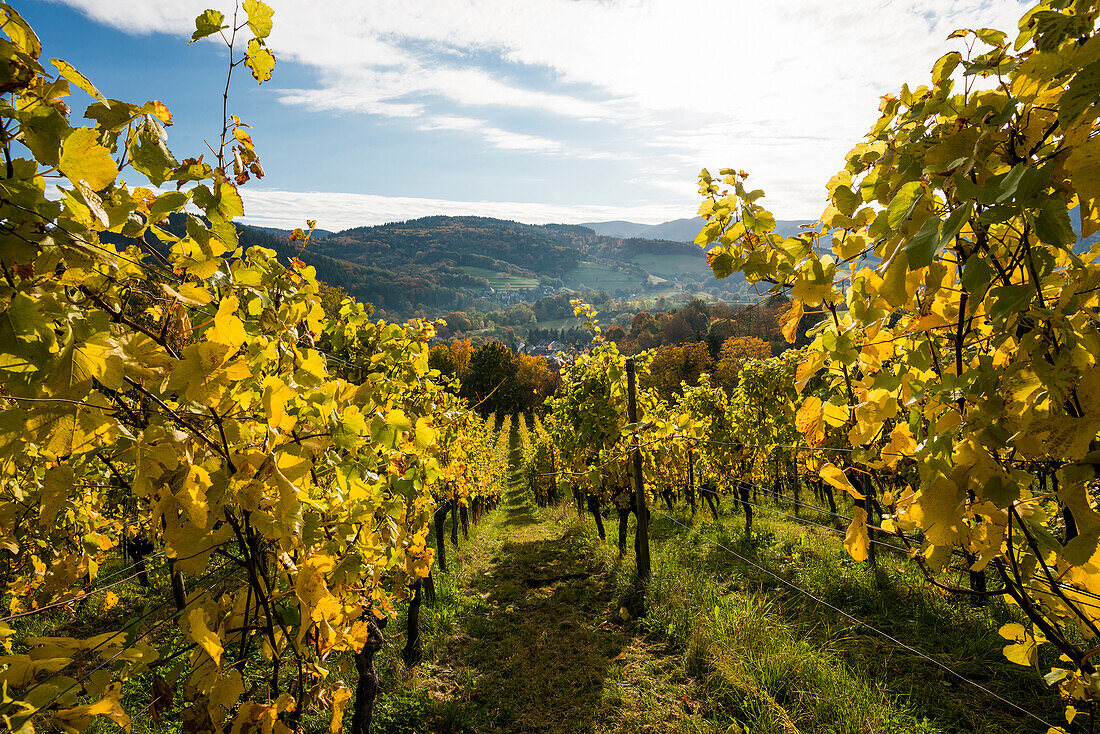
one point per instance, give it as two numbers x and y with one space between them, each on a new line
502 281
568 322
602 277
665 265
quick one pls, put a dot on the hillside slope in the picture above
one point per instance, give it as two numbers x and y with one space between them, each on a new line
465 258
436 265
684 230
677 230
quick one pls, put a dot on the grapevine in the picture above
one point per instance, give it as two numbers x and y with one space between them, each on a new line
955 344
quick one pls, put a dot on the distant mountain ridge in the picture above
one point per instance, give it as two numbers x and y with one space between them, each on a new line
439 264
676 230
685 230
317 233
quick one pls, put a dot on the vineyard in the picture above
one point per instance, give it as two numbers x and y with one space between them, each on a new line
233 500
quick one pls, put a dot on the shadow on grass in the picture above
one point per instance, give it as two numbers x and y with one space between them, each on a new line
532 658
518 512
521 517
949 630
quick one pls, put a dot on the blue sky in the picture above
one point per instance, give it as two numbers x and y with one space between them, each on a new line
537 110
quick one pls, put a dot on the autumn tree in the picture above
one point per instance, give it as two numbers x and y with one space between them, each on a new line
518 314
675 364
459 322
441 358
535 382
675 329
735 352
642 323
697 314
451 359
490 384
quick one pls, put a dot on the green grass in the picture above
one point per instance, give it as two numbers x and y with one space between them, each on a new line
568 322
601 277
673 264
502 281
537 640
776 659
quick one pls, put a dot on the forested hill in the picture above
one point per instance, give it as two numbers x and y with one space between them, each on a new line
459 241
437 265
678 230
685 230
442 263
548 251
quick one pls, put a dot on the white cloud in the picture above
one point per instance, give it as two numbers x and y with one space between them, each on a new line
781 89
508 140
378 91
495 136
338 211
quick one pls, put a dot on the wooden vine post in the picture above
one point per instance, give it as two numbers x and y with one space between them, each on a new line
641 537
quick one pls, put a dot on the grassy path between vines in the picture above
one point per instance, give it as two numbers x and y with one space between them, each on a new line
527 637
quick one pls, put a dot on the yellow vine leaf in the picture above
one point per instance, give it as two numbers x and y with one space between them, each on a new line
277 395
809 420
19 31
109 600
80 363
1083 167
811 291
1025 650
201 633
192 294
790 321
259 17
835 415
809 367
317 602
69 72
228 690
21 669
57 483
856 540
936 509
259 60
142 358
837 478
81 429
425 434
84 159
227 328
75 720
902 445
192 495
340 698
